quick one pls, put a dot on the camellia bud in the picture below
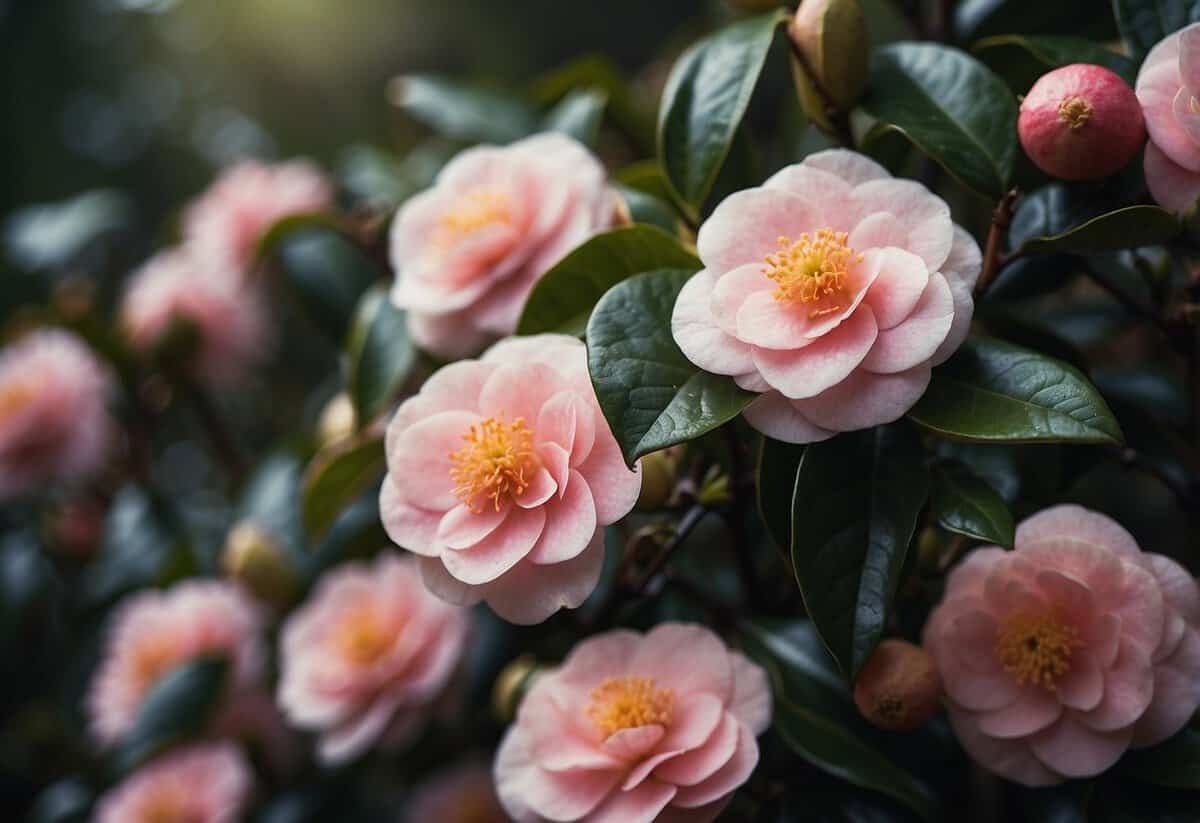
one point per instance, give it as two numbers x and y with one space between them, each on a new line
512 685
829 60
658 479
337 421
255 559
899 688
1081 122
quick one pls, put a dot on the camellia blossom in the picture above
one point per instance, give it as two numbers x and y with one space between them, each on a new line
1062 654
832 290
54 419
227 312
465 794
224 225
501 472
468 251
636 728
1168 87
157 631
208 783
366 655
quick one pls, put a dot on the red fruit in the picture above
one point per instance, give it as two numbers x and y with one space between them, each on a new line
899 688
1081 122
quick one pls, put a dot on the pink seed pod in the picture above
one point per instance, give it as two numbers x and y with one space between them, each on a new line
1081 122
899 688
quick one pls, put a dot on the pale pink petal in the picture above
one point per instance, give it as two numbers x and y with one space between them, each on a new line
865 399
923 214
747 225
422 458
694 718
455 387
1176 693
732 289
499 551
640 805
615 488
751 382
347 741
697 334
735 772
1189 57
751 702
462 527
915 339
960 326
519 391
529 594
687 658
1171 185
523 784
806 372
878 230
541 488
557 462
570 524
444 585
598 658
1187 117
691 767
446 334
825 191
902 280
1128 690
1077 523
776 417
975 635
630 744
1072 600
1008 758
1074 750
1103 638
408 526
848 165
764 321
566 420
1158 84
1082 687
558 744
1035 709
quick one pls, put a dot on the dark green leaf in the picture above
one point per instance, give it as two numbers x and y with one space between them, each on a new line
652 396
951 106
647 209
992 390
1174 763
984 18
814 716
1144 23
854 510
336 476
1022 59
578 115
564 297
597 71
704 101
379 355
778 463
965 504
646 176
463 111
1125 228
329 274
67 801
178 705
52 235
380 179
272 499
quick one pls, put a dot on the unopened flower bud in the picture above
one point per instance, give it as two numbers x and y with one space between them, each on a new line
512 685
658 479
829 59
255 559
1081 122
337 421
899 688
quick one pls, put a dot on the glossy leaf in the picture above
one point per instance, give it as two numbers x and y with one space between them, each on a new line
652 396
1126 228
1144 23
951 106
775 485
337 476
1174 763
1021 59
814 715
975 19
704 101
379 355
578 115
463 111
647 209
992 390
964 503
564 297
328 273
178 705
854 510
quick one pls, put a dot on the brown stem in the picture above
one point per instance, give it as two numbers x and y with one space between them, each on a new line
686 523
837 118
993 255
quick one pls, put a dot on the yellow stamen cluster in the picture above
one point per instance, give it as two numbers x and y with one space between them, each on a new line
152 659
1075 112
167 805
13 397
361 635
476 209
629 702
497 464
812 268
1037 648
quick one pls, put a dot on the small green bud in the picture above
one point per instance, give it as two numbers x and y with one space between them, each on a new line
659 470
512 685
337 421
254 559
830 49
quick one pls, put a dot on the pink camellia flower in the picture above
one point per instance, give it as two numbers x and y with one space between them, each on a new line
208 783
156 631
54 420
1168 87
224 225
501 472
465 794
832 290
227 312
468 251
659 727
1060 655
365 657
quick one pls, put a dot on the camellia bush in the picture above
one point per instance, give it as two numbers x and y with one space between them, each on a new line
807 428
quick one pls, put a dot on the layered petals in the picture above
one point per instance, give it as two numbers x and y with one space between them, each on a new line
1168 87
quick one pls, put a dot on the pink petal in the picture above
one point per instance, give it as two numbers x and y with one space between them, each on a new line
975 639
1128 690
1074 750
865 399
557 461
350 739
420 464
747 225
1035 709
735 772
693 720
827 193
1189 58
764 321
408 526
1157 85
462 528
690 768
1082 687
687 658
522 784
977 691
923 214
556 743
499 551
630 744
1102 639
615 488
847 165
529 594
698 335
441 584
776 417
455 387
1011 759
751 702
732 289
447 335
519 391
1176 693
1171 185
876 231
960 325
1185 116
567 420
541 488
1071 599
807 372
915 340
570 524
598 658
1077 523
640 805
898 287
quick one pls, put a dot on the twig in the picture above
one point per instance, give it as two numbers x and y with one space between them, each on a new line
837 117
993 256
686 523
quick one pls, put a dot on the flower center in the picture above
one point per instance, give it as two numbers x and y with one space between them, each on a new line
475 210
151 661
1037 649
362 635
629 702
1075 112
167 805
497 464
13 397
812 268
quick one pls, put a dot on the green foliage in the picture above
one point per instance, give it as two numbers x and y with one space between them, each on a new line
1145 22
964 503
380 356
177 706
336 476
329 274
